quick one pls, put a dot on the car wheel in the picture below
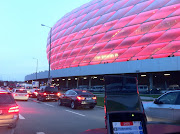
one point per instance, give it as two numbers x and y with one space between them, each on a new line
38 98
12 125
73 106
59 102
91 107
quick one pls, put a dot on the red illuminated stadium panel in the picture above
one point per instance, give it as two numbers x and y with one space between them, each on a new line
107 31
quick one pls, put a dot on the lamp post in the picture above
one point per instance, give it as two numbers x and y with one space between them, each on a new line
36 67
49 52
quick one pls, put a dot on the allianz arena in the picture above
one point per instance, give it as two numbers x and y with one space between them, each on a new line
116 37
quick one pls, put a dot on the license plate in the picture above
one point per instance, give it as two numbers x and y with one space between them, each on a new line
21 95
0 111
51 94
83 102
88 98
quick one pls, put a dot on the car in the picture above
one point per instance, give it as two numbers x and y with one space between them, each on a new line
165 109
9 110
77 98
48 93
20 94
33 93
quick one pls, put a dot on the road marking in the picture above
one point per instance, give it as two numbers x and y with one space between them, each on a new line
75 113
49 105
21 117
40 133
12 132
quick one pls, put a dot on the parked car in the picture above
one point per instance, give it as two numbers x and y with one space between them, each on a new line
9 111
165 109
98 88
20 94
48 93
143 89
173 87
77 98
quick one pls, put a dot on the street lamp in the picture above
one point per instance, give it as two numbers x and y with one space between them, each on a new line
49 52
36 67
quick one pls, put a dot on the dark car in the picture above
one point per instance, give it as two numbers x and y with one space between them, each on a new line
9 110
33 93
78 98
48 93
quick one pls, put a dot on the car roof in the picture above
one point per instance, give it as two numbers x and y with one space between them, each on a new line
173 91
4 91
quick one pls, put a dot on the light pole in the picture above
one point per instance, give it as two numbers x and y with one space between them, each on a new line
49 52
36 67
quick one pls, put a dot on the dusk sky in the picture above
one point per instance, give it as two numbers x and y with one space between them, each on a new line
23 38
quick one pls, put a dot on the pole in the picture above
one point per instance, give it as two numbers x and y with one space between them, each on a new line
36 69
49 58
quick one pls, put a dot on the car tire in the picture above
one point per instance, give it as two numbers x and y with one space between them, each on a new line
37 98
91 107
73 106
12 126
60 102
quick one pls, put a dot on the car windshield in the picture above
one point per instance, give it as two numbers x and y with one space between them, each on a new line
6 98
21 91
53 89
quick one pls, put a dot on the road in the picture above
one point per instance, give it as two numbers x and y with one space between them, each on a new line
49 118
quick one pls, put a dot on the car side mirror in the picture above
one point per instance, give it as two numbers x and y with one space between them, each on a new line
156 101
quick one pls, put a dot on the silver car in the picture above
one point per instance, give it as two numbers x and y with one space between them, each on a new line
165 109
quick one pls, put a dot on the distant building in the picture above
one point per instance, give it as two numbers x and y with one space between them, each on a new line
133 37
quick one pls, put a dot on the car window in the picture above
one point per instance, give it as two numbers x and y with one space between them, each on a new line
21 91
178 100
169 98
28 87
67 92
6 99
72 93
84 93
54 89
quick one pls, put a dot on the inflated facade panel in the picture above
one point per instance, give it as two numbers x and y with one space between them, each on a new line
106 31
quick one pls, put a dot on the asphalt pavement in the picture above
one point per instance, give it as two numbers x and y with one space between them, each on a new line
49 118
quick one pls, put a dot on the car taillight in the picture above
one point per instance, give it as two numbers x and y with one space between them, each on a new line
58 94
80 98
14 94
27 95
94 98
13 109
35 92
45 94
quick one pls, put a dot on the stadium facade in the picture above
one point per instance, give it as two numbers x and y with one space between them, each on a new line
134 37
